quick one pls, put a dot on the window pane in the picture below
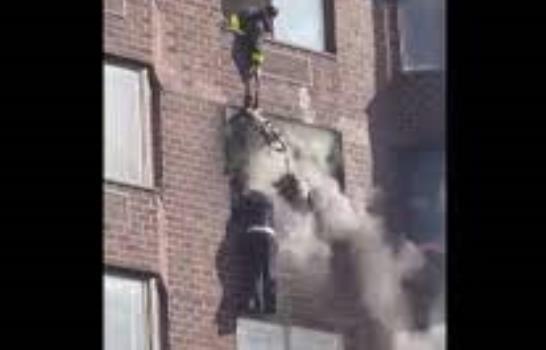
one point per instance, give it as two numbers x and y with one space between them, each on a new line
123 125
301 23
124 314
421 28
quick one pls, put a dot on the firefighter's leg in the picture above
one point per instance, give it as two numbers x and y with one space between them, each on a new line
257 59
257 87
248 95
248 87
241 53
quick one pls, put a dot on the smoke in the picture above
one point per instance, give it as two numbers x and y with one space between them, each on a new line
307 237
379 269
431 339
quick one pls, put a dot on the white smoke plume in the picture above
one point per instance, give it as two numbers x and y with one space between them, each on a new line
331 218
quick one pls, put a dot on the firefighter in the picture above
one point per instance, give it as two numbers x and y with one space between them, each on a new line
250 27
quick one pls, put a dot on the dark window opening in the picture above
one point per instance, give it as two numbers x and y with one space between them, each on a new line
421 27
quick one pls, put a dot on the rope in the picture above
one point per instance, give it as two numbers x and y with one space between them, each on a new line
272 136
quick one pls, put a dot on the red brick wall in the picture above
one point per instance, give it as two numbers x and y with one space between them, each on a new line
177 229
409 106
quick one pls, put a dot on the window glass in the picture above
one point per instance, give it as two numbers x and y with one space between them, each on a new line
126 126
321 147
301 23
125 325
421 25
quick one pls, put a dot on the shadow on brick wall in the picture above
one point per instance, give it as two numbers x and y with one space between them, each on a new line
382 111
407 111
231 267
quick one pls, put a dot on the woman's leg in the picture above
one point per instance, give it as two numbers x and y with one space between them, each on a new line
254 254
248 96
270 276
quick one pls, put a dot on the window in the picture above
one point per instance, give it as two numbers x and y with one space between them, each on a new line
321 146
258 335
304 23
127 125
421 28
130 314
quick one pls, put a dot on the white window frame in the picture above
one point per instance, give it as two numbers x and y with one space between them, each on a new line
151 305
146 172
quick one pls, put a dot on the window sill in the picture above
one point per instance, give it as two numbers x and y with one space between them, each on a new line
421 69
287 45
133 186
283 44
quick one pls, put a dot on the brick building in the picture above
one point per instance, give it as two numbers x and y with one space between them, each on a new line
350 66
